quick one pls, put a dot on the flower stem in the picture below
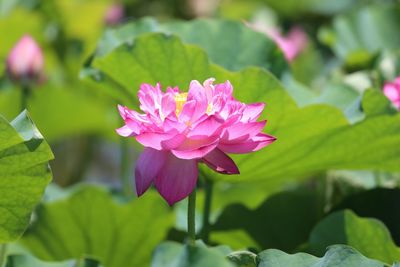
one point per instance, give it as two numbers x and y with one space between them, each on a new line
124 167
208 189
25 90
191 217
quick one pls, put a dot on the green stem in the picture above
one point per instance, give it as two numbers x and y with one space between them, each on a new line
25 91
208 190
191 217
3 254
124 167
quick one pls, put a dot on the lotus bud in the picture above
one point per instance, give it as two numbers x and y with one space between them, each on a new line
114 14
25 61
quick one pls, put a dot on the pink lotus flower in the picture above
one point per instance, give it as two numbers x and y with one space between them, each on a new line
25 60
114 14
291 45
392 91
180 130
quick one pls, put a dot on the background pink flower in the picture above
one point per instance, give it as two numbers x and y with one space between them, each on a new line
392 91
180 130
25 60
291 45
114 14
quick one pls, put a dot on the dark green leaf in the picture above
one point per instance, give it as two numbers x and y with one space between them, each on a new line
272 225
369 236
369 204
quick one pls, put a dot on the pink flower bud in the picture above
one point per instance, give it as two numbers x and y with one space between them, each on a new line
114 14
25 60
392 92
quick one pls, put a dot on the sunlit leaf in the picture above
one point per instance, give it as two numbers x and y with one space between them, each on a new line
241 46
310 139
82 20
14 21
62 112
295 8
236 239
65 112
24 174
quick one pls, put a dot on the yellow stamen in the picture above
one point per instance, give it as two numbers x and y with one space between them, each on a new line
180 100
209 108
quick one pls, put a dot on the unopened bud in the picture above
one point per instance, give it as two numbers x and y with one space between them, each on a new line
114 14
25 61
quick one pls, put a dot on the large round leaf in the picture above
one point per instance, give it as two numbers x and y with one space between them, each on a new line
369 204
91 223
271 225
310 139
335 256
28 260
296 8
230 44
355 37
170 254
66 112
369 236
62 112
24 174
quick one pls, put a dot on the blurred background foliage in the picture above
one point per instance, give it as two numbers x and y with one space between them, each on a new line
337 158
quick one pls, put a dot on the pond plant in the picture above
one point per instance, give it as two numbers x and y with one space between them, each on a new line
134 133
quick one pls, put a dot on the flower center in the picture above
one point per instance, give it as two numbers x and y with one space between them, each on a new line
180 100
209 108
